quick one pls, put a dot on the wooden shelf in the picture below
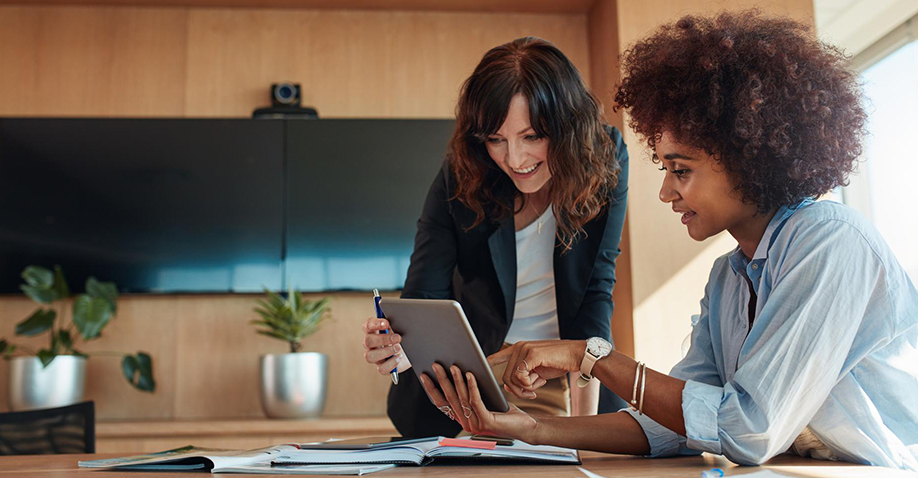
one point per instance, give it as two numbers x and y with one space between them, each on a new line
236 427
479 6
146 436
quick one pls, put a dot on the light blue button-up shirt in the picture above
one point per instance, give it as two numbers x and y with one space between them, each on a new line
834 346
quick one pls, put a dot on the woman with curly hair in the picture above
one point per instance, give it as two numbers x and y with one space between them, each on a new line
522 225
808 334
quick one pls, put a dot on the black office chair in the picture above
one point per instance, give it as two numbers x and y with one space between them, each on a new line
70 429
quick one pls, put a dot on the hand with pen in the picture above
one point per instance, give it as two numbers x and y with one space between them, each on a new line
383 350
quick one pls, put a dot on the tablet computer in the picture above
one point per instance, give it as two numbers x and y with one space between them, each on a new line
365 443
437 331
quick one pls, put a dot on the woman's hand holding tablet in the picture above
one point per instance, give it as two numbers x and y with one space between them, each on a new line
473 415
437 332
529 366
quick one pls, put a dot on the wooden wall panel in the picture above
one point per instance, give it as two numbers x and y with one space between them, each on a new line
353 63
82 61
206 357
491 6
218 355
144 323
123 62
605 74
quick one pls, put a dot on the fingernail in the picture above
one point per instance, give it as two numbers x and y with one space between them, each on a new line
382 323
397 348
468 376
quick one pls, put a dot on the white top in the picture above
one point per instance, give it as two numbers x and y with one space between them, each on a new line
535 316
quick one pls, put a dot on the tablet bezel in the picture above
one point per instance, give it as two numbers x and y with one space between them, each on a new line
417 320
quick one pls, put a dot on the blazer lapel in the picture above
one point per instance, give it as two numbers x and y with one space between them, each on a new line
573 270
502 244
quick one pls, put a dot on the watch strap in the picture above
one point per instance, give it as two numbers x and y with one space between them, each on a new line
586 368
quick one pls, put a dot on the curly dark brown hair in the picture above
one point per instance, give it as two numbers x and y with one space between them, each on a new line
779 109
561 108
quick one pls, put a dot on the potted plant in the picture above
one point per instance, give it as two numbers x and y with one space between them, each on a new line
293 385
55 376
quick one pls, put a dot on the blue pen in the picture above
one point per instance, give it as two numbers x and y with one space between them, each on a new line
381 315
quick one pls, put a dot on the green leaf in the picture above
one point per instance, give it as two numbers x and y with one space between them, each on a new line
42 295
46 356
277 302
60 288
40 321
91 315
6 348
55 344
103 290
289 320
293 299
129 367
38 276
138 370
271 333
65 341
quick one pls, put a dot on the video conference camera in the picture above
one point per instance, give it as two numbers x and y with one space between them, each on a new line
285 104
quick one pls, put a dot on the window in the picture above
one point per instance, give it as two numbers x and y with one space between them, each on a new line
887 182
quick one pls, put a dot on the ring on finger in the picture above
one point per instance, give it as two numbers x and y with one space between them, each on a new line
525 365
448 411
467 411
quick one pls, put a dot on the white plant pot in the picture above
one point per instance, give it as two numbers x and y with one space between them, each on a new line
294 385
32 386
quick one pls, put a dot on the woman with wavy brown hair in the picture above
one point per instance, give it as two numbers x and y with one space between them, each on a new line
808 329
522 226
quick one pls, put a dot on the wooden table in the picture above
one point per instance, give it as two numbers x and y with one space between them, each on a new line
59 466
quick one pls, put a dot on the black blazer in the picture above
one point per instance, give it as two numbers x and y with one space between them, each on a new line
478 268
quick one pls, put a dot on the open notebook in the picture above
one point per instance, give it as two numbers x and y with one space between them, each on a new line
425 452
258 461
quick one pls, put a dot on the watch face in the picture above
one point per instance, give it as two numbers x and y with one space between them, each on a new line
599 347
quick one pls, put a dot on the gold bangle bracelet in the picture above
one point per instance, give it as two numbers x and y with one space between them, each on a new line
634 391
643 383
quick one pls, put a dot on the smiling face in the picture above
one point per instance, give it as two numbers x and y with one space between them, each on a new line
518 150
699 189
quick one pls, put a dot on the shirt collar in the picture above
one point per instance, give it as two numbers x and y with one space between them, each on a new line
738 260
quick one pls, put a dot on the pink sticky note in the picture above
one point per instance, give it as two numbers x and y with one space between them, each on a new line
479 444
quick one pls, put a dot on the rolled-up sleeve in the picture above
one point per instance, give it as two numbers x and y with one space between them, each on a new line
663 441
698 364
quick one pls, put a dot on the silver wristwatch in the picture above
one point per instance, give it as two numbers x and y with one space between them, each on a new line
596 349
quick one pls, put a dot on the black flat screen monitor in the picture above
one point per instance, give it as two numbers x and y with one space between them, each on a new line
355 191
155 205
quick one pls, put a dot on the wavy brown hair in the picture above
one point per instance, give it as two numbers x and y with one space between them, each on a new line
561 108
778 108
